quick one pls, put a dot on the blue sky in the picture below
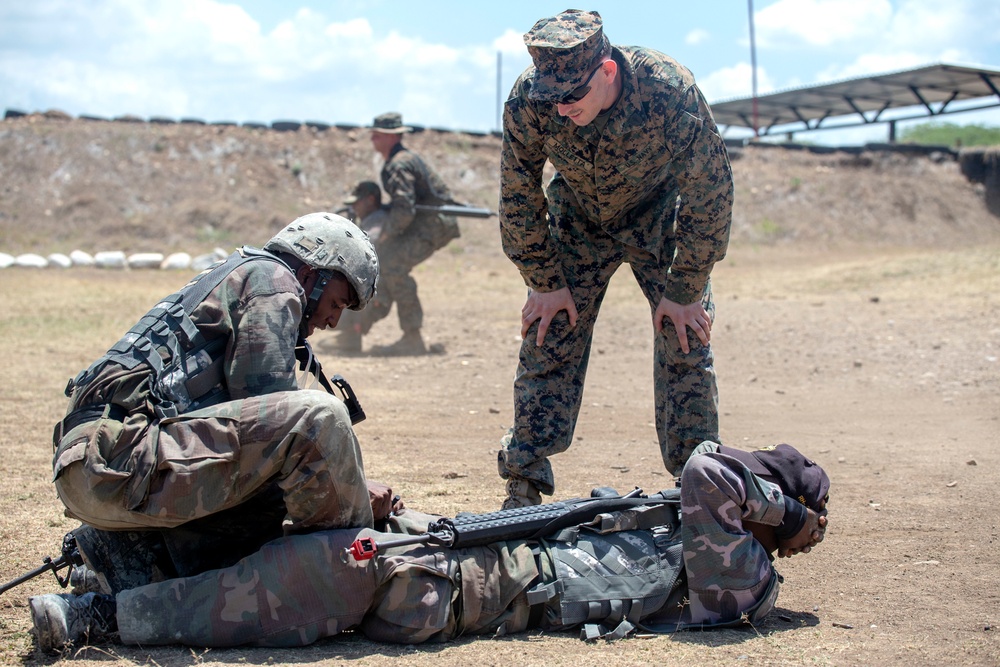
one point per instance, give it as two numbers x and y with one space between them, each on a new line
343 61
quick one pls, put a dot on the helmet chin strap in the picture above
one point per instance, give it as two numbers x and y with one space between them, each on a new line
323 276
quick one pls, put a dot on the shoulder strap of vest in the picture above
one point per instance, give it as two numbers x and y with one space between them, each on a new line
137 346
198 289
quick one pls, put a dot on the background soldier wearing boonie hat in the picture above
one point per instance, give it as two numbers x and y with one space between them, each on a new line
702 558
406 239
642 177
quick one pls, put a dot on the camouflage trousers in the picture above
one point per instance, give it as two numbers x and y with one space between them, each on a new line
398 256
548 387
115 476
301 588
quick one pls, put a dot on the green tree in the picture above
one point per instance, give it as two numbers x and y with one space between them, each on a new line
950 134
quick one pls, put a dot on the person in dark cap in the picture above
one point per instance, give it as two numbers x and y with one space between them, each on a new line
365 209
407 238
694 558
365 206
641 177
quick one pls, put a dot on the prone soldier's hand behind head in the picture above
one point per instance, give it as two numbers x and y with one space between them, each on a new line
812 533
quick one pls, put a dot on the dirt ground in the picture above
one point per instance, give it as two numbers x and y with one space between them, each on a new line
858 318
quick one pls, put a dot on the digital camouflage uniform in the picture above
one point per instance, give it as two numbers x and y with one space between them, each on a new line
407 237
130 468
302 588
647 183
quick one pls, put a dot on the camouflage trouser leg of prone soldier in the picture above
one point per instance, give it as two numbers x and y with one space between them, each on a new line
207 461
302 588
548 388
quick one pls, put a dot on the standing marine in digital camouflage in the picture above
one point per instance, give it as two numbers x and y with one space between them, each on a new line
696 557
641 177
196 412
407 238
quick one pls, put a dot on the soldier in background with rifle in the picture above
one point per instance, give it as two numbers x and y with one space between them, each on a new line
696 557
407 238
365 208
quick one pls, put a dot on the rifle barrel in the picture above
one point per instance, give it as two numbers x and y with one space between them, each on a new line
49 564
458 211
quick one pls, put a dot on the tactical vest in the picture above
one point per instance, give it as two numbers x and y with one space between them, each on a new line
610 576
187 368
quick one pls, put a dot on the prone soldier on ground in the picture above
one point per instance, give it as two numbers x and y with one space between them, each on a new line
699 556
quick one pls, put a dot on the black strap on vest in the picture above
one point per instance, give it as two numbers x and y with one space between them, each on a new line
169 324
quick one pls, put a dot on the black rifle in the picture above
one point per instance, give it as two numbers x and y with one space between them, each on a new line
458 211
70 558
523 523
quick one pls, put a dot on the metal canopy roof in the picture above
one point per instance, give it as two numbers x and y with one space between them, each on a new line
930 90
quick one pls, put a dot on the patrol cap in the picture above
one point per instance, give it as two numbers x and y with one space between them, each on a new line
799 477
365 189
565 49
390 123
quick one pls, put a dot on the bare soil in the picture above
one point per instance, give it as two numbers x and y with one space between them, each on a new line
858 319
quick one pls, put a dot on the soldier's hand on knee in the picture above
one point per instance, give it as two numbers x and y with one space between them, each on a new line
543 307
692 315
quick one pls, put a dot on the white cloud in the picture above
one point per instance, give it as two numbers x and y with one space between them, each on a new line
871 63
208 59
931 28
697 36
845 39
922 28
511 42
735 81
792 23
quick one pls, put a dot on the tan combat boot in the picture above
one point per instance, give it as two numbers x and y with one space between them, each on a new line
521 493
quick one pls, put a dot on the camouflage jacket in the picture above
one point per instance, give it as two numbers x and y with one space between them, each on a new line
256 309
409 181
727 570
660 142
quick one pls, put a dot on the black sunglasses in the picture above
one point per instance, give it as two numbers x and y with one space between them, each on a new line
578 94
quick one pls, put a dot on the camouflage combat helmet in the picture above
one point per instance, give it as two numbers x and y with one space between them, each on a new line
328 242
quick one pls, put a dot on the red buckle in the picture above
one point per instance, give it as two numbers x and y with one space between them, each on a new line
363 548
